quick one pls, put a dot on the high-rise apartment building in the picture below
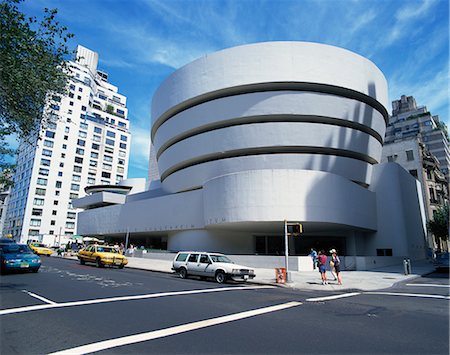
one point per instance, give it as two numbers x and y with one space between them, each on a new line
419 143
86 142
409 120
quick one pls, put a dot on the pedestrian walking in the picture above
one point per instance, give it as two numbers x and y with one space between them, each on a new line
321 263
337 265
313 255
332 268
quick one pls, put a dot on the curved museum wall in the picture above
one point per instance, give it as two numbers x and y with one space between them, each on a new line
275 105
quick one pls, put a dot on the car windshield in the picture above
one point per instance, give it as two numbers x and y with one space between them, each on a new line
15 248
39 245
220 259
106 250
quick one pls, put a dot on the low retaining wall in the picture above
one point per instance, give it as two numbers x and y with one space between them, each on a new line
296 263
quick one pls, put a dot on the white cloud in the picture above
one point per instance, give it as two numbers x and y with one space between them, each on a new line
412 11
140 147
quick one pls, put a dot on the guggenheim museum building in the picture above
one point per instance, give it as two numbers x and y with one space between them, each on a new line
252 136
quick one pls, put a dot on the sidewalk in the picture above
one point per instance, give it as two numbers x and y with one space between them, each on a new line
310 280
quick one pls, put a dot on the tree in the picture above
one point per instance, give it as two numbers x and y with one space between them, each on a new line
439 224
33 74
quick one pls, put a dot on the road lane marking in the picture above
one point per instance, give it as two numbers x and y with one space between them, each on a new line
137 338
428 285
334 297
126 298
409 295
39 297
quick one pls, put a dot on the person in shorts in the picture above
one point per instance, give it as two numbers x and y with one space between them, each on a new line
337 265
322 264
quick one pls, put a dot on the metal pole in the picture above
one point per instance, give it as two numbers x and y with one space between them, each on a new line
126 239
59 237
286 250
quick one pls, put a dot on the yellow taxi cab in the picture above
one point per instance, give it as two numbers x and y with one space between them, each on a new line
102 255
40 249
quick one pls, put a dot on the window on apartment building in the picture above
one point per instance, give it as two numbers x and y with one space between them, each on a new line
123 146
42 182
48 143
77 169
73 195
119 178
109 141
64 146
83 108
80 89
72 87
36 212
51 232
81 142
76 177
432 195
75 187
109 150
38 202
71 103
94 155
55 202
96 138
106 175
122 154
97 130
63 155
70 225
57 193
40 192
52 222
90 181
121 162
50 134
67 129
78 160
107 166
46 152
95 146
61 165
66 138
35 222
107 158
92 163
122 124
71 215
79 97
123 138
82 134
54 212
409 155
110 134
71 95
58 184
33 232
80 151
120 169
120 112
43 171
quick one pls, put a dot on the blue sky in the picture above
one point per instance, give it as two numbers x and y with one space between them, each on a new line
141 42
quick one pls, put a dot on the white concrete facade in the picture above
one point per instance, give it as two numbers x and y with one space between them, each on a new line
250 136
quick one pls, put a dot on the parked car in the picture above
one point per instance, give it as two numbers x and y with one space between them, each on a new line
18 257
40 249
6 240
442 261
204 264
102 255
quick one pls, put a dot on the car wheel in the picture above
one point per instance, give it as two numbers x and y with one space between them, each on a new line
82 262
35 270
183 273
220 277
121 266
99 262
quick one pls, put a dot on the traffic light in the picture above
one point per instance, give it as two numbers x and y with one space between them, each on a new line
295 229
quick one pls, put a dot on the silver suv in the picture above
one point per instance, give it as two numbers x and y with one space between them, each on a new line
204 264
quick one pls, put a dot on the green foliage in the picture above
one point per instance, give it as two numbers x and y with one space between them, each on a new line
32 65
439 224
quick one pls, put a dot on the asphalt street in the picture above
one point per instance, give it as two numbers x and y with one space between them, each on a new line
84 309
